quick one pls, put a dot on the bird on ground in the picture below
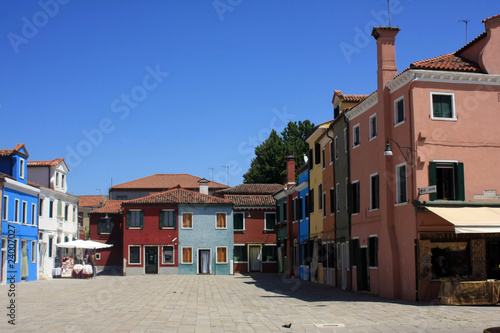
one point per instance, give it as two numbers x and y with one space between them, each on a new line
287 325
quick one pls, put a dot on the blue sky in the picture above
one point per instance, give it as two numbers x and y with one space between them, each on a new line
126 89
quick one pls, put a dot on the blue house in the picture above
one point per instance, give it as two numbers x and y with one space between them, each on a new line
19 214
304 246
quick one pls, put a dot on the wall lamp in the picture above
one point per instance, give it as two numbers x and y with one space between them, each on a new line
407 153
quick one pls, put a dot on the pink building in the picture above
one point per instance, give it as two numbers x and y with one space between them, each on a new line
432 128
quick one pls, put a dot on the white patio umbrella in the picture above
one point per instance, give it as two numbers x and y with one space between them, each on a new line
83 244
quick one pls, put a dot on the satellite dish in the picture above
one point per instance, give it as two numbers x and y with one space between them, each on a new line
305 159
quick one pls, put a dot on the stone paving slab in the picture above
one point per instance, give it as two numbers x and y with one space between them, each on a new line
239 303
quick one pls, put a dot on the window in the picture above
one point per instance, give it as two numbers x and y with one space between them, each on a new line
40 207
306 204
450 259
311 198
320 199
332 200
285 212
104 226
187 220
51 209
240 253
21 168
5 206
74 214
51 245
374 192
97 256
443 106
134 255
16 210
25 212
310 161
373 126
449 180
355 136
269 253
66 207
168 219
299 208
187 255
121 197
323 157
33 251
294 210
270 220
63 180
239 221
33 214
355 198
324 204
57 179
346 143
401 183
332 153
399 111
336 143
220 221
373 251
317 153
168 255
135 219
221 255
337 198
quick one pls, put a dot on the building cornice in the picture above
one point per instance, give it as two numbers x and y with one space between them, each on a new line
302 186
363 106
15 185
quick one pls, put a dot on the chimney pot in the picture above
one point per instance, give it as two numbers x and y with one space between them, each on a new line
488 57
290 171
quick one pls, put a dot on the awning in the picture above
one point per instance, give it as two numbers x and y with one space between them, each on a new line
470 220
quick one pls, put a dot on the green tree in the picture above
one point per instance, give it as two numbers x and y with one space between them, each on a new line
268 166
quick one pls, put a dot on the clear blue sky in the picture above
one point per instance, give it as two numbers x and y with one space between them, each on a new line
125 89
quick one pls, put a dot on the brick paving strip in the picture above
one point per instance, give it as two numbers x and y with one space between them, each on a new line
240 303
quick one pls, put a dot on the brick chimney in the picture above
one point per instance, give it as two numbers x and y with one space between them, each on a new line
203 185
290 171
490 55
386 55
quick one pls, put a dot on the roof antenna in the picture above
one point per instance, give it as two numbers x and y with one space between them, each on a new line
389 12
465 21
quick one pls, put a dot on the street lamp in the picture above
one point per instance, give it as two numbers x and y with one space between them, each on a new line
407 154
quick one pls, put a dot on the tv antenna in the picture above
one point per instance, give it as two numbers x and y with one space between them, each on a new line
389 12
465 21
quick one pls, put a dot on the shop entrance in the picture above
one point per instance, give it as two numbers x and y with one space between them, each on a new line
151 260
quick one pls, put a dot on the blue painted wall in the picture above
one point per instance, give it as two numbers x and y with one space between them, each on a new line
204 235
303 227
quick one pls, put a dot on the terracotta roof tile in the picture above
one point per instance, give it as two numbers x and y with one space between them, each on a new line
90 200
110 207
252 189
447 62
350 97
252 200
178 196
166 181
54 162
9 152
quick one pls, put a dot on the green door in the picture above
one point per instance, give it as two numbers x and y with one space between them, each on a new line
152 260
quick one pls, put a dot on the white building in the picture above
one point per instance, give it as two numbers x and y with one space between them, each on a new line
57 210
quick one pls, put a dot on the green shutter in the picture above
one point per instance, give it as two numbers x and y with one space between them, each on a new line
142 218
128 220
59 208
459 181
162 219
175 219
432 179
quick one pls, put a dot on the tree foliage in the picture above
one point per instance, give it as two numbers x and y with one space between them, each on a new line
269 164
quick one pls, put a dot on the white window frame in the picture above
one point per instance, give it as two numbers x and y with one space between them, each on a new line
373 135
135 211
25 212
265 219
33 251
163 212
163 256
346 144
320 197
244 246
337 198
16 252
22 163
396 101
359 199
192 220
270 261
33 214
243 213
16 210
371 191
225 218
227 255
97 256
454 112
182 255
57 179
354 128
398 194
140 255
323 157
5 208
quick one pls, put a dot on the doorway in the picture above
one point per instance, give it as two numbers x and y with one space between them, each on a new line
254 252
204 261
151 259
362 269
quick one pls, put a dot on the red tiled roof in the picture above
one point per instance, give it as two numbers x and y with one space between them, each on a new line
9 152
54 162
252 189
110 207
447 62
350 98
178 196
166 181
90 200
251 200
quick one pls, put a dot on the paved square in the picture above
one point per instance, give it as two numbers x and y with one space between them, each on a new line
240 303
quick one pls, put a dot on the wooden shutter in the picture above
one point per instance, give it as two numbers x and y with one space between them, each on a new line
187 255
162 219
128 220
221 220
187 221
459 181
432 179
221 254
